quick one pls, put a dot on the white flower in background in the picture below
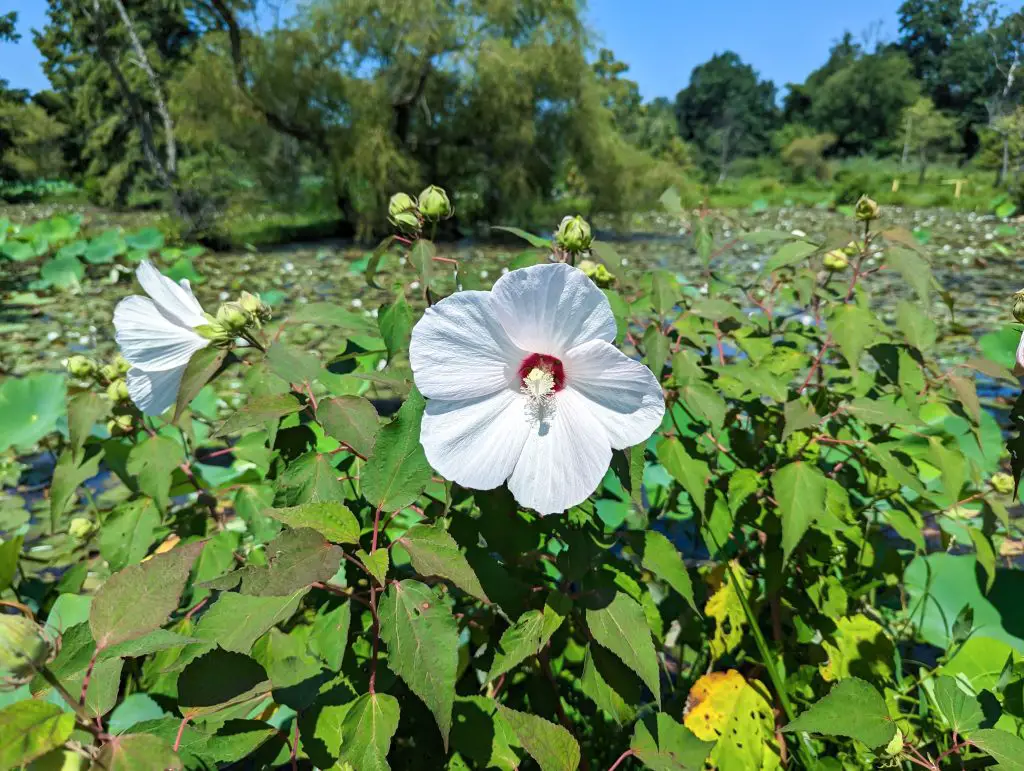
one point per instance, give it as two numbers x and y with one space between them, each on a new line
157 337
524 385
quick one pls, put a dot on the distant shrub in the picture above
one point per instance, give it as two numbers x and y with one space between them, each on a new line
805 157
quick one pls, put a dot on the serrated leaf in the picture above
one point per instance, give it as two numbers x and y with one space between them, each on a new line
128 533
705 403
157 640
665 561
152 462
790 254
333 520
84 409
68 475
352 420
397 471
852 708
203 365
664 292
914 268
662 744
138 752
549 744
798 415
395 322
236 621
32 728
141 597
377 562
220 679
296 559
293 365
919 330
691 473
310 478
422 640
1006 748
879 413
853 329
366 731
968 395
433 552
800 490
525 638
328 638
621 627
259 412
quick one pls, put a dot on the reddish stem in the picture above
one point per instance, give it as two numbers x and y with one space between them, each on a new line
88 676
181 730
621 760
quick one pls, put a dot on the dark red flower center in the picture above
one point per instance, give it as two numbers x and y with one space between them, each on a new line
545 363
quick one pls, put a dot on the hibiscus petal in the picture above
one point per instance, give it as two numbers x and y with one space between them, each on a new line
475 442
564 459
154 392
551 308
175 300
1019 369
623 394
460 351
150 340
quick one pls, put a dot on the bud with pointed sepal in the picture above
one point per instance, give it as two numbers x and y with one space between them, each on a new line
81 366
867 209
574 235
1018 306
118 391
434 204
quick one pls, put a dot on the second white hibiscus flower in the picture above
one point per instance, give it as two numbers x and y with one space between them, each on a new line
524 385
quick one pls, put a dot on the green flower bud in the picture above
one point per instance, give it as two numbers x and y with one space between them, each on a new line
216 334
401 203
80 528
573 235
1018 306
109 372
434 204
120 425
81 366
233 318
597 273
254 306
122 364
1002 483
866 209
117 391
895 747
406 222
23 648
836 260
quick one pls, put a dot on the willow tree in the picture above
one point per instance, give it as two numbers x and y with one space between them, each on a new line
490 98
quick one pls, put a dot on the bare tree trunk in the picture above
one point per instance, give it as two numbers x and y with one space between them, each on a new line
906 145
924 166
158 94
723 164
1004 168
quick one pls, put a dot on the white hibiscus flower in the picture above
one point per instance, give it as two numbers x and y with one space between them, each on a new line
524 385
157 337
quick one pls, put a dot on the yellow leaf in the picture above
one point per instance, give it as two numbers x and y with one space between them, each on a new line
725 607
858 648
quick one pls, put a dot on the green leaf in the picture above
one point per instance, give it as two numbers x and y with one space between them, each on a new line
310 478
610 684
10 551
29 409
218 680
664 292
105 247
915 270
296 559
145 239
966 392
201 368
621 627
540 243
705 403
798 416
377 562
853 328
138 752
351 420
656 349
397 471
292 364
690 472
421 258
985 554
128 533
1006 748
67 476
328 638
334 520
433 552
852 708
919 330
800 490
662 744
32 728
960 709
151 462
423 646
789 254
259 412
84 409
157 640
141 597
395 321
665 561
549 744
525 638
236 621
366 731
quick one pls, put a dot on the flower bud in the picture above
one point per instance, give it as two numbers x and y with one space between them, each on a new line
81 366
254 306
117 391
215 333
895 746
597 273
233 318
836 260
1018 306
120 425
80 528
434 204
866 209
1002 483
23 648
122 364
401 203
573 235
109 373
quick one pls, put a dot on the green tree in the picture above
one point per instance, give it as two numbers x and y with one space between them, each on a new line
796 106
726 110
862 104
926 131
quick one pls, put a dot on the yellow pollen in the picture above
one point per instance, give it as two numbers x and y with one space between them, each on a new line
539 387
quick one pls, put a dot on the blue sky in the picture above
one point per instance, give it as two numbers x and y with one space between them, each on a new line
661 40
